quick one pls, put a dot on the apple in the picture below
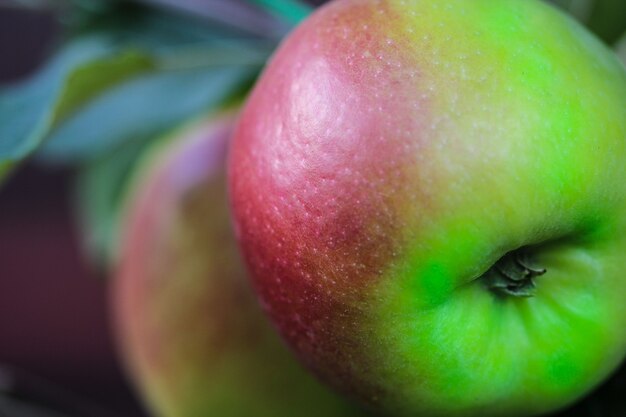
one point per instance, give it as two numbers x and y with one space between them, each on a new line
430 197
190 331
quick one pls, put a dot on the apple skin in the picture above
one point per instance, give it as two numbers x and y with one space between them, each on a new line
191 333
392 152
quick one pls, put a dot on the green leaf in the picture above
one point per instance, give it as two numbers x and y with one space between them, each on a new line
580 9
156 30
138 49
292 11
143 108
239 14
28 112
5 168
100 190
608 19
89 80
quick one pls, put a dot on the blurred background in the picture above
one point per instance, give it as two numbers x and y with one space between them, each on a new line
56 347
57 354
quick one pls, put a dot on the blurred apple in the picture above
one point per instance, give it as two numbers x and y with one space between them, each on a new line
194 340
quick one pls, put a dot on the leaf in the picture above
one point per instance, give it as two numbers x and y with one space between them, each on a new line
292 11
157 30
240 14
100 189
5 168
30 111
88 81
608 19
580 9
143 108
122 47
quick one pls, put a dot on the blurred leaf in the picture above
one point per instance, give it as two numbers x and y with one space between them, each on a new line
129 77
240 14
100 188
141 109
30 111
152 55
4 169
580 9
136 113
154 29
608 19
88 81
292 11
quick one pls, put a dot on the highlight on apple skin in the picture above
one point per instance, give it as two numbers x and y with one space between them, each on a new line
431 199
194 340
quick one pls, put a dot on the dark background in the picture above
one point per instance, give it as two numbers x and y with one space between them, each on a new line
55 342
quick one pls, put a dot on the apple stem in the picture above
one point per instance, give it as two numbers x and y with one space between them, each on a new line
513 275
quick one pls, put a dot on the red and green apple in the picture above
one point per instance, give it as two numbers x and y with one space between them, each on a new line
430 196
190 331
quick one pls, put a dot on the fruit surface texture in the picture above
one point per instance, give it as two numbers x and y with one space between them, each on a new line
431 199
192 334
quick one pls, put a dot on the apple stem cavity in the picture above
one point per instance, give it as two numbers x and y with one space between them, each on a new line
513 275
